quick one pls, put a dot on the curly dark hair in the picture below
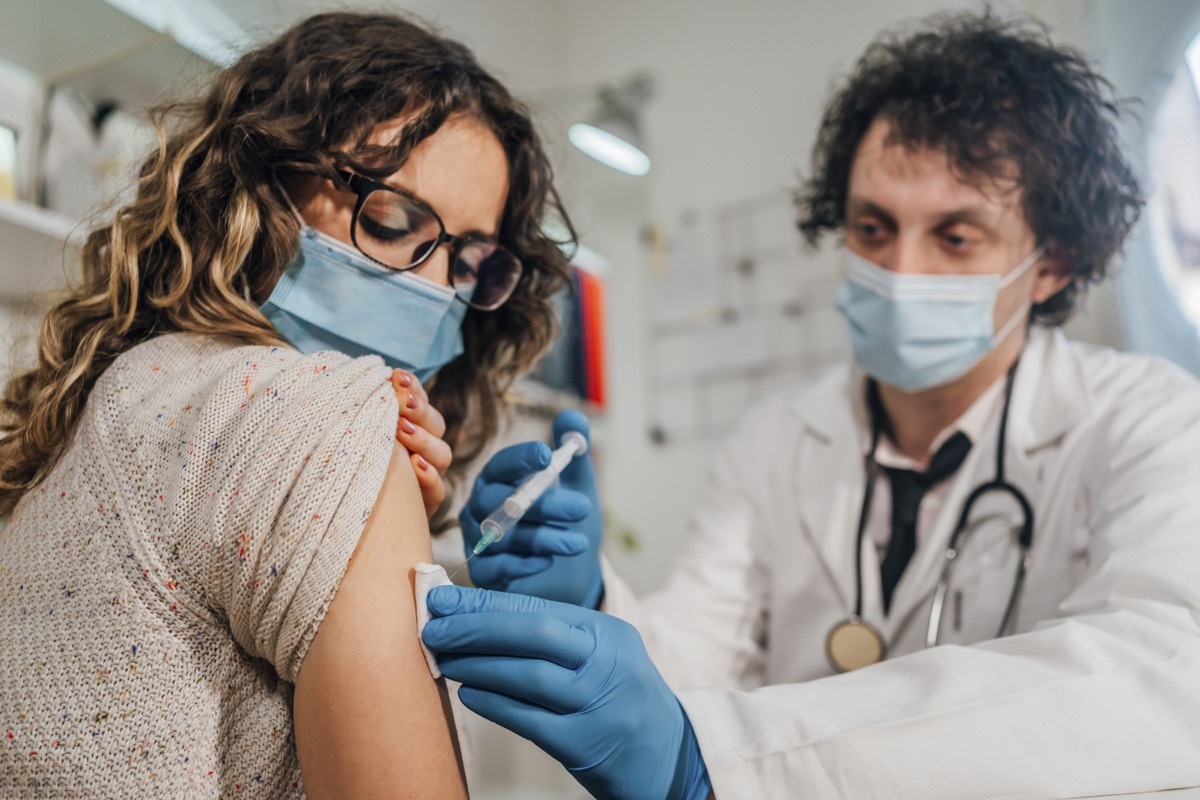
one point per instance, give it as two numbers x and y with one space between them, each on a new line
991 93
210 230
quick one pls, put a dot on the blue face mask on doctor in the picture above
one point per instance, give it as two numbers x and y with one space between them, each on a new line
914 331
331 297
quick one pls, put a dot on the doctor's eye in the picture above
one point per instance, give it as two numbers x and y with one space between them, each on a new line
868 230
959 237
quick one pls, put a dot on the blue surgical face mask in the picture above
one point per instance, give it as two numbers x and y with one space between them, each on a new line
331 297
915 332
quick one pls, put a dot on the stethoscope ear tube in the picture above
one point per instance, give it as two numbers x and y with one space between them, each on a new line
939 600
943 586
1022 568
856 625
1025 538
1024 541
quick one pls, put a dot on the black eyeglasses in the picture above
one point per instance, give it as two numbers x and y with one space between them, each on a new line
398 231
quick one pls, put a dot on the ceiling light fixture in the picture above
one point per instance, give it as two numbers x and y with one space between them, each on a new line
613 136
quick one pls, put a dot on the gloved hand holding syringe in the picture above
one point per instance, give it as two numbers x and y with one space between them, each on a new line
498 523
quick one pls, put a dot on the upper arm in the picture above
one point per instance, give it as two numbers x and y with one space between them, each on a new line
370 720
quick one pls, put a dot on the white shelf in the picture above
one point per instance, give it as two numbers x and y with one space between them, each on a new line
37 248
134 52
131 51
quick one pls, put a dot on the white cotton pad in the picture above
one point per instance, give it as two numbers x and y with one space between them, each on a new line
428 576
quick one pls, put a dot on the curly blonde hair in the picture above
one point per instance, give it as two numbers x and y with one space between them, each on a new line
209 230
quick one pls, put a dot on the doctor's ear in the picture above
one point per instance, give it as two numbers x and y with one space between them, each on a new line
1053 274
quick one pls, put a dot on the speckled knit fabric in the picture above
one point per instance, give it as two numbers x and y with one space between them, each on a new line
159 590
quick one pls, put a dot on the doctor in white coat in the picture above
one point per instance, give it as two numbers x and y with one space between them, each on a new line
1045 642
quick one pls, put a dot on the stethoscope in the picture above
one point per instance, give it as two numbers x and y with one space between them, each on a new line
854 642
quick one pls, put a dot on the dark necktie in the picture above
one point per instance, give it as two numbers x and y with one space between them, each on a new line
908 489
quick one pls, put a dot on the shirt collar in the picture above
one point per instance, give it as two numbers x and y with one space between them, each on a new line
973 423
1050 396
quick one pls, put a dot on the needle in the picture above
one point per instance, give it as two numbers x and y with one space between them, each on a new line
454 574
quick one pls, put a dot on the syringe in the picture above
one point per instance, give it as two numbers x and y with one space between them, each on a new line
500 522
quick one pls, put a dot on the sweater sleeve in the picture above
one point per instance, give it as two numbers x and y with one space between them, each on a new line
252 471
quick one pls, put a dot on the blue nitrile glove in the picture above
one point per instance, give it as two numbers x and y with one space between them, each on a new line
554 551
577 683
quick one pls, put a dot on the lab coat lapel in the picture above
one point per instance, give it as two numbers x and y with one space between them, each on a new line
829 476
1049 397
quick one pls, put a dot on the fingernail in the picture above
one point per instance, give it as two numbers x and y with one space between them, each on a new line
422 463
407 426
413 402
405 379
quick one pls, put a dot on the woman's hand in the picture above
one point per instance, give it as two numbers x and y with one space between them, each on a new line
420 429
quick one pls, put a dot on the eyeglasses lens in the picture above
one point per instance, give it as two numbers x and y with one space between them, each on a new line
395 231
485 274
398 232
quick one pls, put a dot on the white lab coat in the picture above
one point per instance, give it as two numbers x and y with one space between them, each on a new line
1097 691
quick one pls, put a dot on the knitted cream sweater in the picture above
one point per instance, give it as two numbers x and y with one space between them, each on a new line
159 590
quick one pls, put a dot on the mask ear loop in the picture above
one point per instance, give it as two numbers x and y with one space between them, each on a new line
1022 268
287 199
1019 315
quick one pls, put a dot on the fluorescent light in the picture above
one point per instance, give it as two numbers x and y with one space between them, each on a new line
609 149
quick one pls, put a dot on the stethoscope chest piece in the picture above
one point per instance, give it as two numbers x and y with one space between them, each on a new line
854 643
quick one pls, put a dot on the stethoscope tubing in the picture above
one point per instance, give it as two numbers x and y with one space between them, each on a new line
997 484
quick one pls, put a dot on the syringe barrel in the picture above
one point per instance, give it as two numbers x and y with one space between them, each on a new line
517 503
536 485
497 524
